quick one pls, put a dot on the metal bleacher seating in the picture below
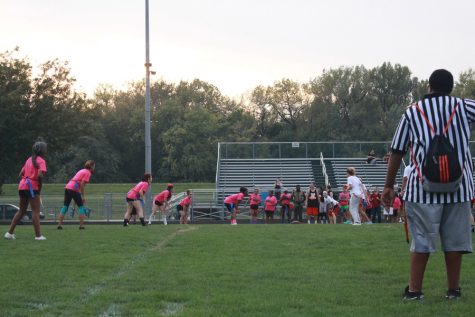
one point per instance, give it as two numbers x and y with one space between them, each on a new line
262 173
372 175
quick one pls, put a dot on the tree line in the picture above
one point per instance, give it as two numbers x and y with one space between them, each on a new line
189 118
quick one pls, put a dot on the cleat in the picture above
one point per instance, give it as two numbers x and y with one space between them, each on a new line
453 294
40 238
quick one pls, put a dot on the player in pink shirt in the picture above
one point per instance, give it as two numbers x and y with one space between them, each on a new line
184 206
29 190
135 199
160 204
75 190
285 202
254 202
269 206
232 203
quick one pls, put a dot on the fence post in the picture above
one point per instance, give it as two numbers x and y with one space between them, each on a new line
108 206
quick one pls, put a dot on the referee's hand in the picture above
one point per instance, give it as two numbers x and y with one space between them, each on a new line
387 196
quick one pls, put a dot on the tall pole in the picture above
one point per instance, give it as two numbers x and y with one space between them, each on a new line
148 142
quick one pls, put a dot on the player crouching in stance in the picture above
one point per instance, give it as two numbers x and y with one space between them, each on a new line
29 190
75 190
135 199
254 202
232 203
160 203
184 206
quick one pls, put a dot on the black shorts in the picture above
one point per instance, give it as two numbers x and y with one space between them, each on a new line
129 200
269 213
26 193
156 202
72 195
179 207
254 206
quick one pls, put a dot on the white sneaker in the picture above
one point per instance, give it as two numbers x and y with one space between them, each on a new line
165 221
149 222
9 236
41 238
357 224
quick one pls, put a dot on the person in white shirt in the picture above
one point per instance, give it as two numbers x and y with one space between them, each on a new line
356 192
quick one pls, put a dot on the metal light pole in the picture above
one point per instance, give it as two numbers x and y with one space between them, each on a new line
148 142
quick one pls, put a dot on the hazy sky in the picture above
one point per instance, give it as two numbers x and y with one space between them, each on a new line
238 44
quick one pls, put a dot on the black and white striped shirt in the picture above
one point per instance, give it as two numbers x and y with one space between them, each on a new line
413 132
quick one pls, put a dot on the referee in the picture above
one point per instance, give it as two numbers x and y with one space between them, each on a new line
431 215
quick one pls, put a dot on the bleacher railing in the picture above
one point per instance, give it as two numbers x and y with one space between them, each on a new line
324 169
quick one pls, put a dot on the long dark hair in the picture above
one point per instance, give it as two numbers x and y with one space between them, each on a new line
39 149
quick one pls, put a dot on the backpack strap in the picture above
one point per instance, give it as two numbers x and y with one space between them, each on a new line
430 125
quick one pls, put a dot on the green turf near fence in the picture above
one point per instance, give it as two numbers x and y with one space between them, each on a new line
99 189
220 270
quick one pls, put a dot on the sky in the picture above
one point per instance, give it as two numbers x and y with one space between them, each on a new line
237 45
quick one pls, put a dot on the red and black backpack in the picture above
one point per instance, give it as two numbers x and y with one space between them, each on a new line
441 170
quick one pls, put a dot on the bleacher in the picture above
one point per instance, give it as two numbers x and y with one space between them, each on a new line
262 173
371 174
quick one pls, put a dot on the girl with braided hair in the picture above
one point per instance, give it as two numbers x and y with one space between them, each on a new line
29 189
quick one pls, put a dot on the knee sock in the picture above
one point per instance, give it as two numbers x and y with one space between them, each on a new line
64 209
142 221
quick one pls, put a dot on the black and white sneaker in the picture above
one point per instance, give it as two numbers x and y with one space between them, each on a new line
410 296
453 294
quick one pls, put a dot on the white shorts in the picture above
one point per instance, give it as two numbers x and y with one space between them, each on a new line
389 212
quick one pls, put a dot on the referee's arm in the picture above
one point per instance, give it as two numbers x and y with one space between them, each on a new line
393 165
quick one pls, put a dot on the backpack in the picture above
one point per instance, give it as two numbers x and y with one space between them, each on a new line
441 170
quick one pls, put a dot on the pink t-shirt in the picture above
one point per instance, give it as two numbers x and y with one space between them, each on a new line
30 171
134 193
185 202
163 196
255 199
269 203
82 176
344 198
234 199
396 203
285 199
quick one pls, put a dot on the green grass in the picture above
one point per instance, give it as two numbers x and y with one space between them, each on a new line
220 270
101 189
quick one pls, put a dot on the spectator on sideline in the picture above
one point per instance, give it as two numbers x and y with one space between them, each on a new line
298 198
344 202
285 203
356 194
278 185
269 206
375 201
371 158
254 202
312 203
429 212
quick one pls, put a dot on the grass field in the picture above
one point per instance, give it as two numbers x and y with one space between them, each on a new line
220 270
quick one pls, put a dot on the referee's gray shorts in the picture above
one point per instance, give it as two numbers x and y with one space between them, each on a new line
451 221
